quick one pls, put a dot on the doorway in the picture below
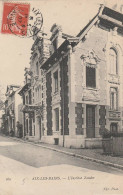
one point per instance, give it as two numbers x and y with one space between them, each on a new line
39 126
90 121
26 126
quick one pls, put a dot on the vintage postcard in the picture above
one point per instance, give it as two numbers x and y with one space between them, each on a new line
61 97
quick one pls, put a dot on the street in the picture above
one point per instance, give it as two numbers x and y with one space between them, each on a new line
26 168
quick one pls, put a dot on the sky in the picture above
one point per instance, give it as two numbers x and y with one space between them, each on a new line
15 51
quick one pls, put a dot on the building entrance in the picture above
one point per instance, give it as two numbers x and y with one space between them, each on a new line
90 121
39 126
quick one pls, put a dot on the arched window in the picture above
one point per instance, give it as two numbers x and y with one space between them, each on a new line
113 61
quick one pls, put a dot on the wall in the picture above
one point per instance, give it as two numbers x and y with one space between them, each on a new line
96 40
99 42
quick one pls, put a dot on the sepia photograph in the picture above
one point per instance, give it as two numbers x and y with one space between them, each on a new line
61 97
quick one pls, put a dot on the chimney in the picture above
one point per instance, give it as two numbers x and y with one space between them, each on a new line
56 37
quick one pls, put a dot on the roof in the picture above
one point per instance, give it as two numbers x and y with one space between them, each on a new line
113 13
24 88
104 13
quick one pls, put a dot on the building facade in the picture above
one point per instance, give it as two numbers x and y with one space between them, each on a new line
81 82
13 113
33 91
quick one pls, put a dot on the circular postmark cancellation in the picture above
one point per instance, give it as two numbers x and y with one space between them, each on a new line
35 22
21 20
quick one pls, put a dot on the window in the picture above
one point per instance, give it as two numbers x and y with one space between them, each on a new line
113 99
35 94
55 75
90 77
30 97
37 71
27 100
41 72
113 127
38 93
26 79
23 100
113 61
56 119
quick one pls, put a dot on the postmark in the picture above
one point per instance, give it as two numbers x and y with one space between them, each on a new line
20 20
35 22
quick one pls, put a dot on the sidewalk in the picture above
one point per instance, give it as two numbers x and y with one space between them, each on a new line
95 155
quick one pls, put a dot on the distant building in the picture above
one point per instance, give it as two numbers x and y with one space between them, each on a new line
12 108
2 112
78 90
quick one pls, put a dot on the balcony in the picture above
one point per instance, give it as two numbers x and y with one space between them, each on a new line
114 115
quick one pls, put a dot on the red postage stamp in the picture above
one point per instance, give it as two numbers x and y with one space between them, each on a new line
15 18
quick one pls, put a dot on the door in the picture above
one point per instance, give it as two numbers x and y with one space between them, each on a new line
30 126
26 126
39 126
90 121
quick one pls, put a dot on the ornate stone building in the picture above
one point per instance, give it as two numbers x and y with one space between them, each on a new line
84 82
81 82
33 91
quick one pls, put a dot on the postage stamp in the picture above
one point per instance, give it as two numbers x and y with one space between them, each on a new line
20 20
15 18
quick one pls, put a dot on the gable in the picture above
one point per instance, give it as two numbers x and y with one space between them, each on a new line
107 19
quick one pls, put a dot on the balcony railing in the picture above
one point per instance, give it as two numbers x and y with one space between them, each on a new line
114 115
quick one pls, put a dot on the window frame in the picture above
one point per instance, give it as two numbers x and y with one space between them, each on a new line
56 86
94 85
114 98
113 56
26 99
56 119
37 68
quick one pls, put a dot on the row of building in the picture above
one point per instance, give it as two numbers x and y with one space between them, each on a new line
74 86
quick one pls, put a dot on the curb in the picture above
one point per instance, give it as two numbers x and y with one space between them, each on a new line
69 153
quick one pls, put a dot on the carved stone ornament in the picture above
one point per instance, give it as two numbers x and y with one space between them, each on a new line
90 58
90 95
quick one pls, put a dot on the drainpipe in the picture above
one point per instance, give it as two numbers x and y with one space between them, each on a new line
62 67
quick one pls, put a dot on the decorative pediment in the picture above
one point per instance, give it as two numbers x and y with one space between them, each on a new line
91 58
